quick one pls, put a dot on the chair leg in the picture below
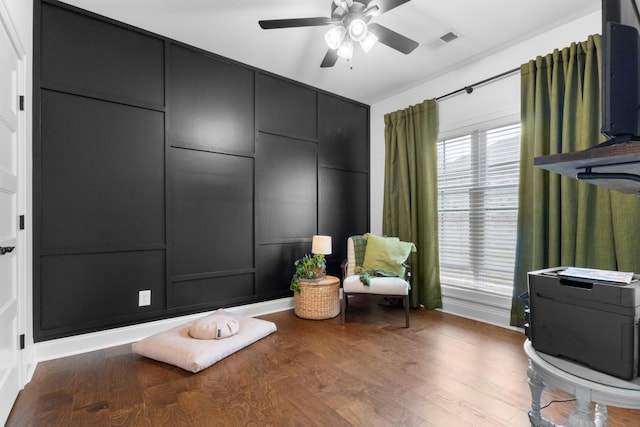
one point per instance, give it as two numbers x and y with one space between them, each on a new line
406 309
343 307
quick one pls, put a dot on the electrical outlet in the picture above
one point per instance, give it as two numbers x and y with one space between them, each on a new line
144 298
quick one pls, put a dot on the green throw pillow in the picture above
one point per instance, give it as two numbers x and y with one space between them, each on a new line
386 254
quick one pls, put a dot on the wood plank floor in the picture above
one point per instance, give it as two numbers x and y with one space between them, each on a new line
443 371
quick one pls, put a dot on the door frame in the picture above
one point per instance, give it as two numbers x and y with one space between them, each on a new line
16 21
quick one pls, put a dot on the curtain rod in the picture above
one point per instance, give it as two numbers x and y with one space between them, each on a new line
469 88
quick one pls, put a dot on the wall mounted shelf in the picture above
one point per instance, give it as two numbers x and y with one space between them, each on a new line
615 166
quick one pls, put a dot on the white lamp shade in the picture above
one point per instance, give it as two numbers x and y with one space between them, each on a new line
321 245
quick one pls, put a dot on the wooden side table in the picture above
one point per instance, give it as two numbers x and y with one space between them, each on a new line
585 384
318 299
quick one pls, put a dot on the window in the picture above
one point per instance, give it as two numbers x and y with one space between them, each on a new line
478 206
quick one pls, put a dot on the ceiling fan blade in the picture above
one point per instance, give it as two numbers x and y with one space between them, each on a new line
392 39
330 58
387 5
291 23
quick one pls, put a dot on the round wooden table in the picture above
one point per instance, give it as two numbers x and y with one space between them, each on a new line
585 384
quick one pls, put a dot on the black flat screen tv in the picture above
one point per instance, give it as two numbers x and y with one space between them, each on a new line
621 70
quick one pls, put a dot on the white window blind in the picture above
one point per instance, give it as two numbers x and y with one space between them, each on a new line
478 204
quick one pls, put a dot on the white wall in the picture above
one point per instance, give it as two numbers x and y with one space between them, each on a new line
497 102
487 102
21 14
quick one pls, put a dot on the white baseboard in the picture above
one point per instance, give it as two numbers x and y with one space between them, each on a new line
69 346
477 305
28 366
480 306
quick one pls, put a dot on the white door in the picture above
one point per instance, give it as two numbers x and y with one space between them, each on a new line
11 76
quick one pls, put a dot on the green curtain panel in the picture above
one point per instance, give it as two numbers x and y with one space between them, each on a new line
561 221
410 209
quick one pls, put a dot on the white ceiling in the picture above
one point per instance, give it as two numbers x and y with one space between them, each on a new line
230 28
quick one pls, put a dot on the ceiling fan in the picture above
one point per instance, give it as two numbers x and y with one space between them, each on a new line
350 21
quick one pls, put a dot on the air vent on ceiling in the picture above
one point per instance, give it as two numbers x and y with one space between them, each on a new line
438 42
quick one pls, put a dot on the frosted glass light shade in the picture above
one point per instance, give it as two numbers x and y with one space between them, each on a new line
321 245
346 49
357 29
369 41
334 36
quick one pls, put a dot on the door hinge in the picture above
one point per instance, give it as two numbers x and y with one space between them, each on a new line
22 342
21 102
21 222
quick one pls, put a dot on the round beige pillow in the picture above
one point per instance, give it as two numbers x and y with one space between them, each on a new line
214 327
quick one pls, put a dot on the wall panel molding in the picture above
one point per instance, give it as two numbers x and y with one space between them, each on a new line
175 170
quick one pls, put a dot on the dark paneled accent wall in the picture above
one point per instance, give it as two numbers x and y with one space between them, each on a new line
79 53
160 166
343 196
211 135
210 103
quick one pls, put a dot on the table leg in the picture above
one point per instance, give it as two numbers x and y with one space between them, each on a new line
536 384
581 417
601 415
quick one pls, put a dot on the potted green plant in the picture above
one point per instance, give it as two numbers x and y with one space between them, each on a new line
310 268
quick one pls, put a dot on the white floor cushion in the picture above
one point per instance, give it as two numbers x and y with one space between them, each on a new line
178 348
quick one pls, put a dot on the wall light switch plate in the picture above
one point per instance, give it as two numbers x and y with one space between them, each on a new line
144 298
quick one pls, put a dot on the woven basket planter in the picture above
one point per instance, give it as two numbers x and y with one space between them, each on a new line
318 299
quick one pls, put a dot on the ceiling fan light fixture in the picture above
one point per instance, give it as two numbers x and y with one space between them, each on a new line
357 29
343 4
368 41
335 36
371 11
346 49
349 22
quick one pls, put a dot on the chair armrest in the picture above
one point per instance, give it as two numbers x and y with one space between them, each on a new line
343 266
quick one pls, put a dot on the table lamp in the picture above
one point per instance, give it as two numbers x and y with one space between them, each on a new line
321 245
